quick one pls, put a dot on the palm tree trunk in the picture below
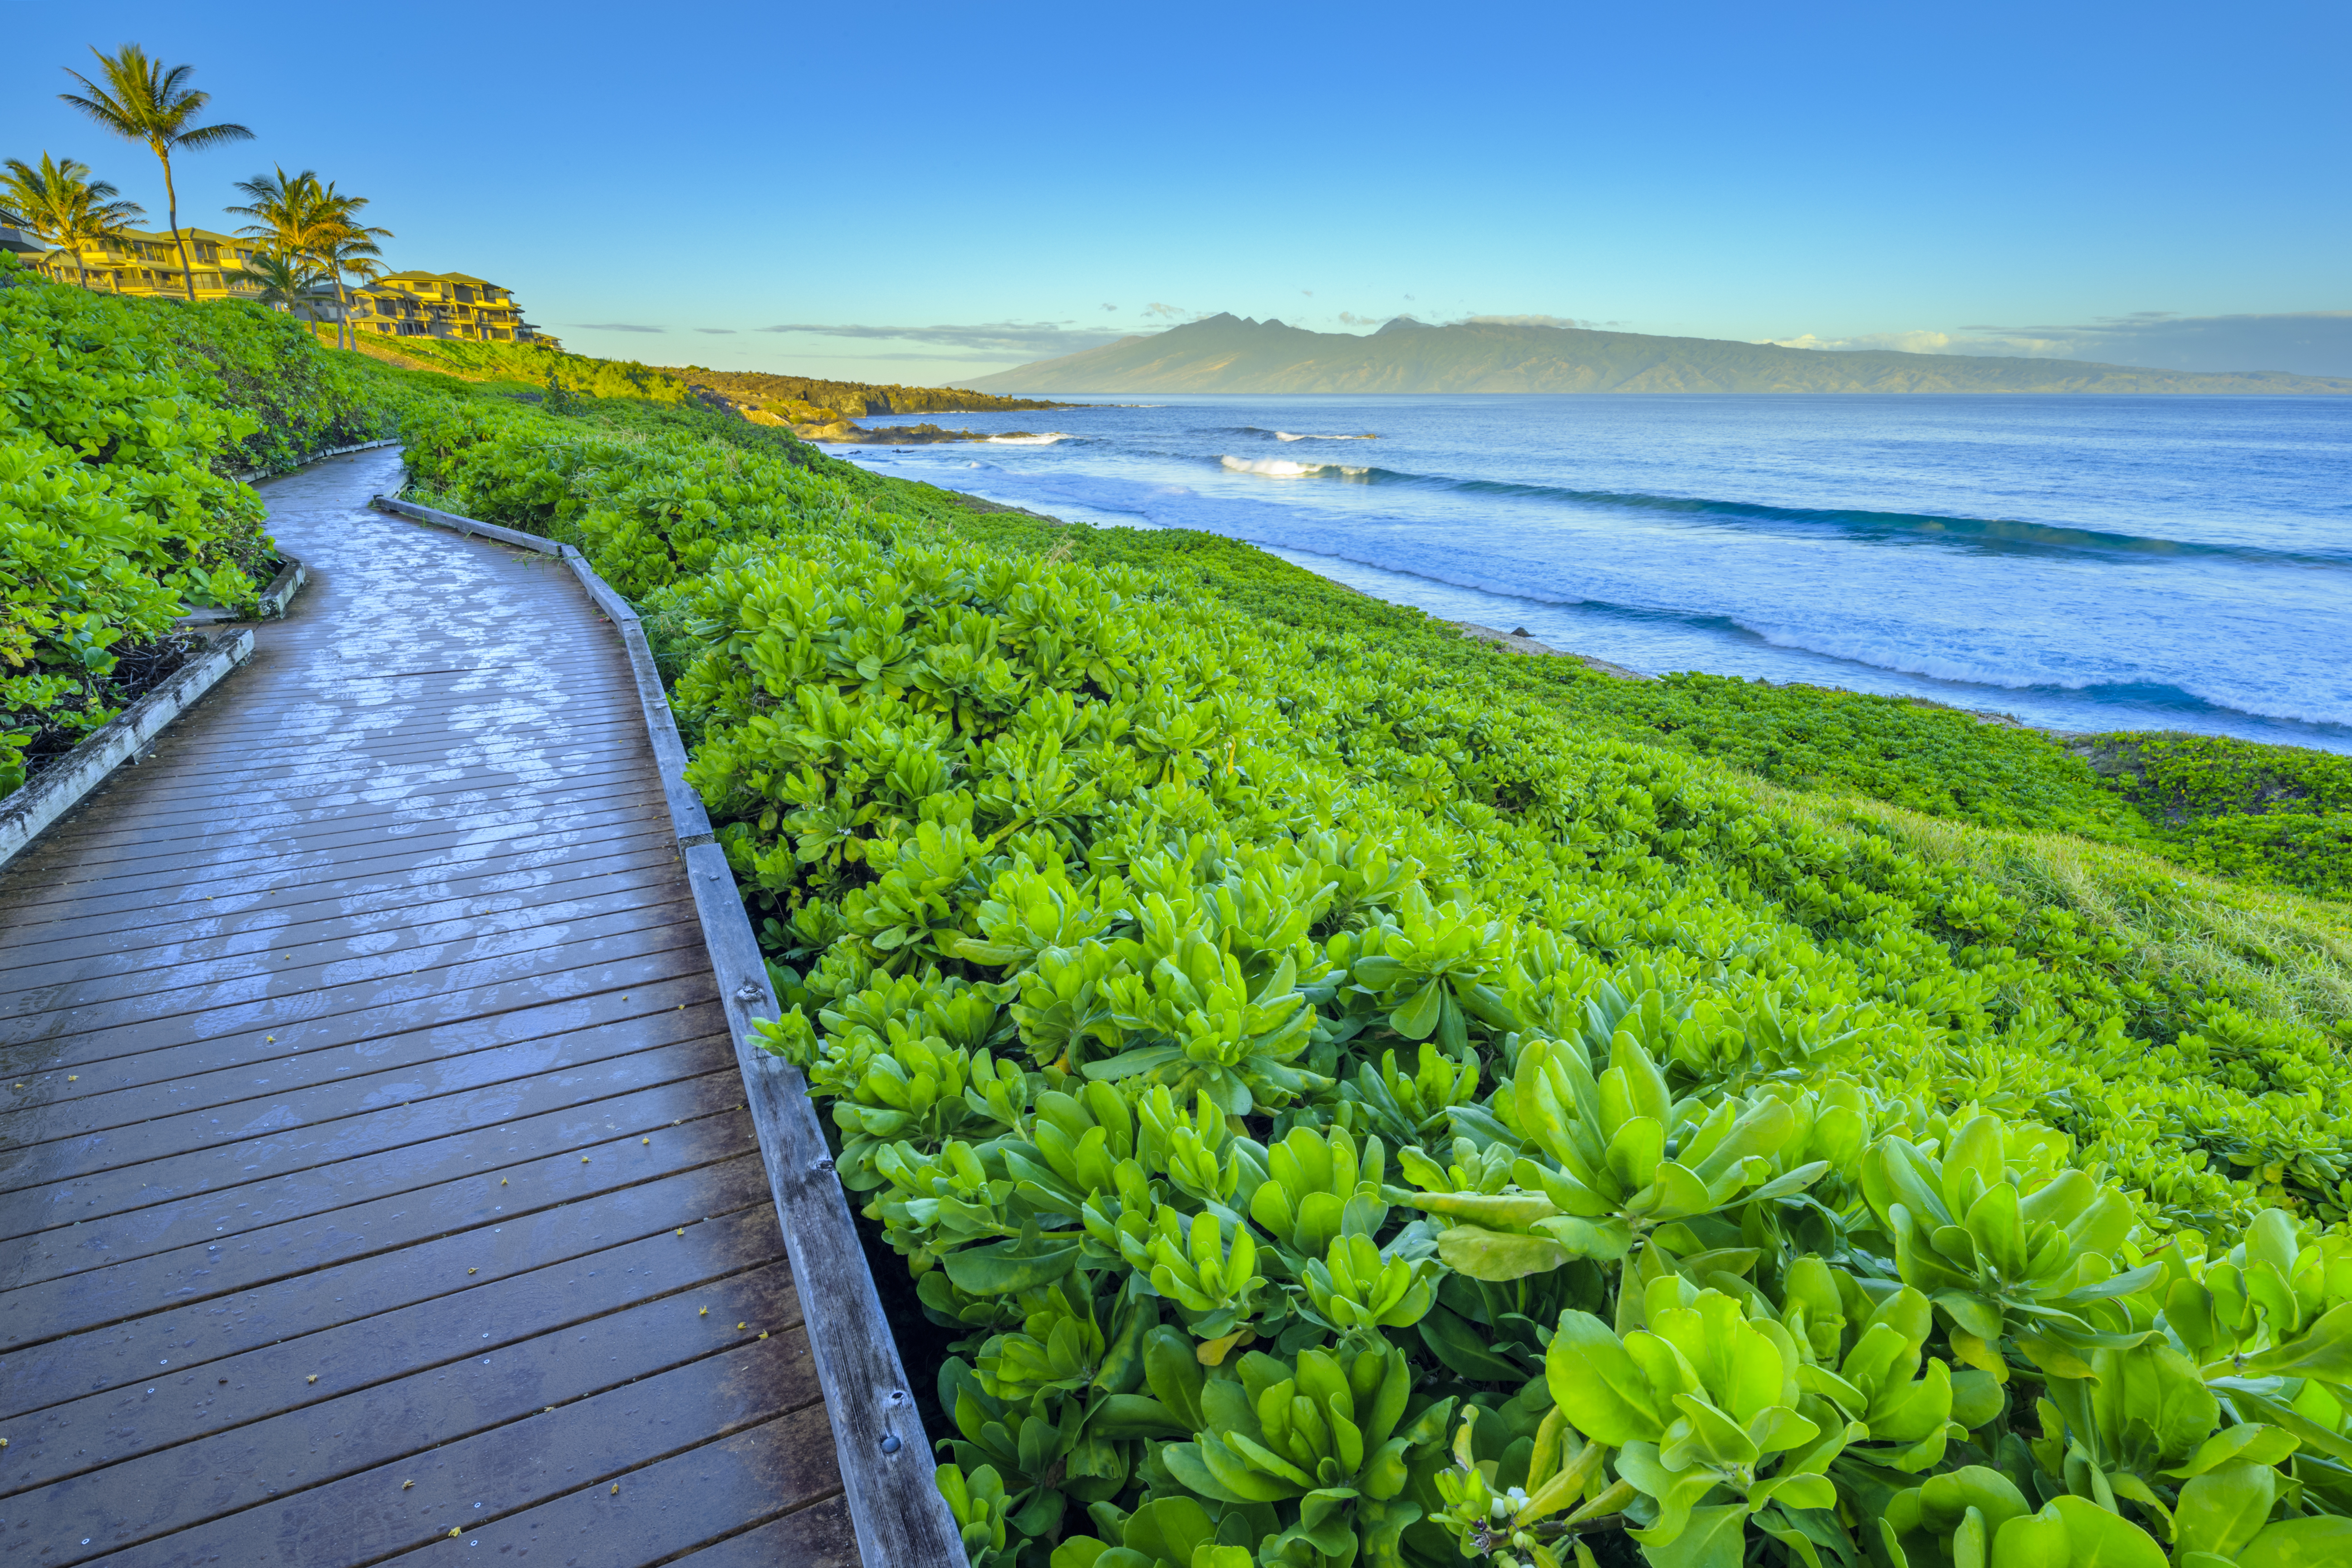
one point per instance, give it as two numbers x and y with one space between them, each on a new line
172 200
342 312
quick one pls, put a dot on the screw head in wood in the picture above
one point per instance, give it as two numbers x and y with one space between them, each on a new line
890 1442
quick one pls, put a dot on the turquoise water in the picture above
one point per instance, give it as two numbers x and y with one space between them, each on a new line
2082 563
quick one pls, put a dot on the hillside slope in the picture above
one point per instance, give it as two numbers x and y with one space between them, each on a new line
1231 353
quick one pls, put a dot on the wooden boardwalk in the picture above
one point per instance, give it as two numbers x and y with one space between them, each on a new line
374 1179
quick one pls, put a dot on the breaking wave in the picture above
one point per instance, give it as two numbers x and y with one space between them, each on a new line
1284 469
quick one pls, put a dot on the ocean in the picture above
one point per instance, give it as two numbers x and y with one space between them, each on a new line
2080 562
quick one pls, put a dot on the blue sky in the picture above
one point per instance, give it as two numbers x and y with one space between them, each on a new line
928 193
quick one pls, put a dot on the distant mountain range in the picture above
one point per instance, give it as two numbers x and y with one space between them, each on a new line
1232 353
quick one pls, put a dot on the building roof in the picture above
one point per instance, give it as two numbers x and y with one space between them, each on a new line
445 278
164 235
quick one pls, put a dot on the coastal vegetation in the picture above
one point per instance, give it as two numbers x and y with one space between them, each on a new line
806 400
1347 1093
1229 354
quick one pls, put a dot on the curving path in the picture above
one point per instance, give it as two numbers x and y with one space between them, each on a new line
372 1163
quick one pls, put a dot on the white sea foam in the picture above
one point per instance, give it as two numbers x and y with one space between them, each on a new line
1287 436
1045 440
1284 469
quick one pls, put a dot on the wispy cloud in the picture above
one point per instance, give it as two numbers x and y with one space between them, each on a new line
2305 342
1110 307
1169 312
1526 321
612 326
718 331
1350 319
1029 340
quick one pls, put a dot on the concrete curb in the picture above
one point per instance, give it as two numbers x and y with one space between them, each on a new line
63 784
895 1505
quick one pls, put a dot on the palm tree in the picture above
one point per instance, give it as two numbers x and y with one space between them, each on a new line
289 282
144 100
345 244
357 258
64 205
284 208
297 215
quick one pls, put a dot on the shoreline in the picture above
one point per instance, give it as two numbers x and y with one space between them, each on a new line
1527 647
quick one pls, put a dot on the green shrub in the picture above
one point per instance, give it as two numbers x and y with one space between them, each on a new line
2274 813
1354 1106
111 509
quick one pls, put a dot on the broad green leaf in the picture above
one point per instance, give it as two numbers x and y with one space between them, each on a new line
1417 1019
1455 1343
2035 1540
1120 1417
2252 1441
2323 1351
1006 1267
1713 1537
2097 1539
1596 1384
2322 1542
1173 1528
1223 1557
1496 1255
1676 1492
2223 1509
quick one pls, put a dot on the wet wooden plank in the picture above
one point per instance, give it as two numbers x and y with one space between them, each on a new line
600 1440
696 1496
818 1536
319 931
182 1145
186 897
370 1113
262 801
106 1003
582 1315
345 1013
143 1216
130 1352
459 1388
84 1276
214 1073
216 826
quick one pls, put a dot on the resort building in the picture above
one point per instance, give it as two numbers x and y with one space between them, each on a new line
441 305
403 304
143 261
16 237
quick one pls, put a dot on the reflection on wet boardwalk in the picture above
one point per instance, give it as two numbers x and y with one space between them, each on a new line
372 1163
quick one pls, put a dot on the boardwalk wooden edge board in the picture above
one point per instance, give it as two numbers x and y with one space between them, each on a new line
900 1518
59 788
291 575
255 475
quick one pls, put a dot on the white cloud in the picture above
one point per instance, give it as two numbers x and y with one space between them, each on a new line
1901 342
612 327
